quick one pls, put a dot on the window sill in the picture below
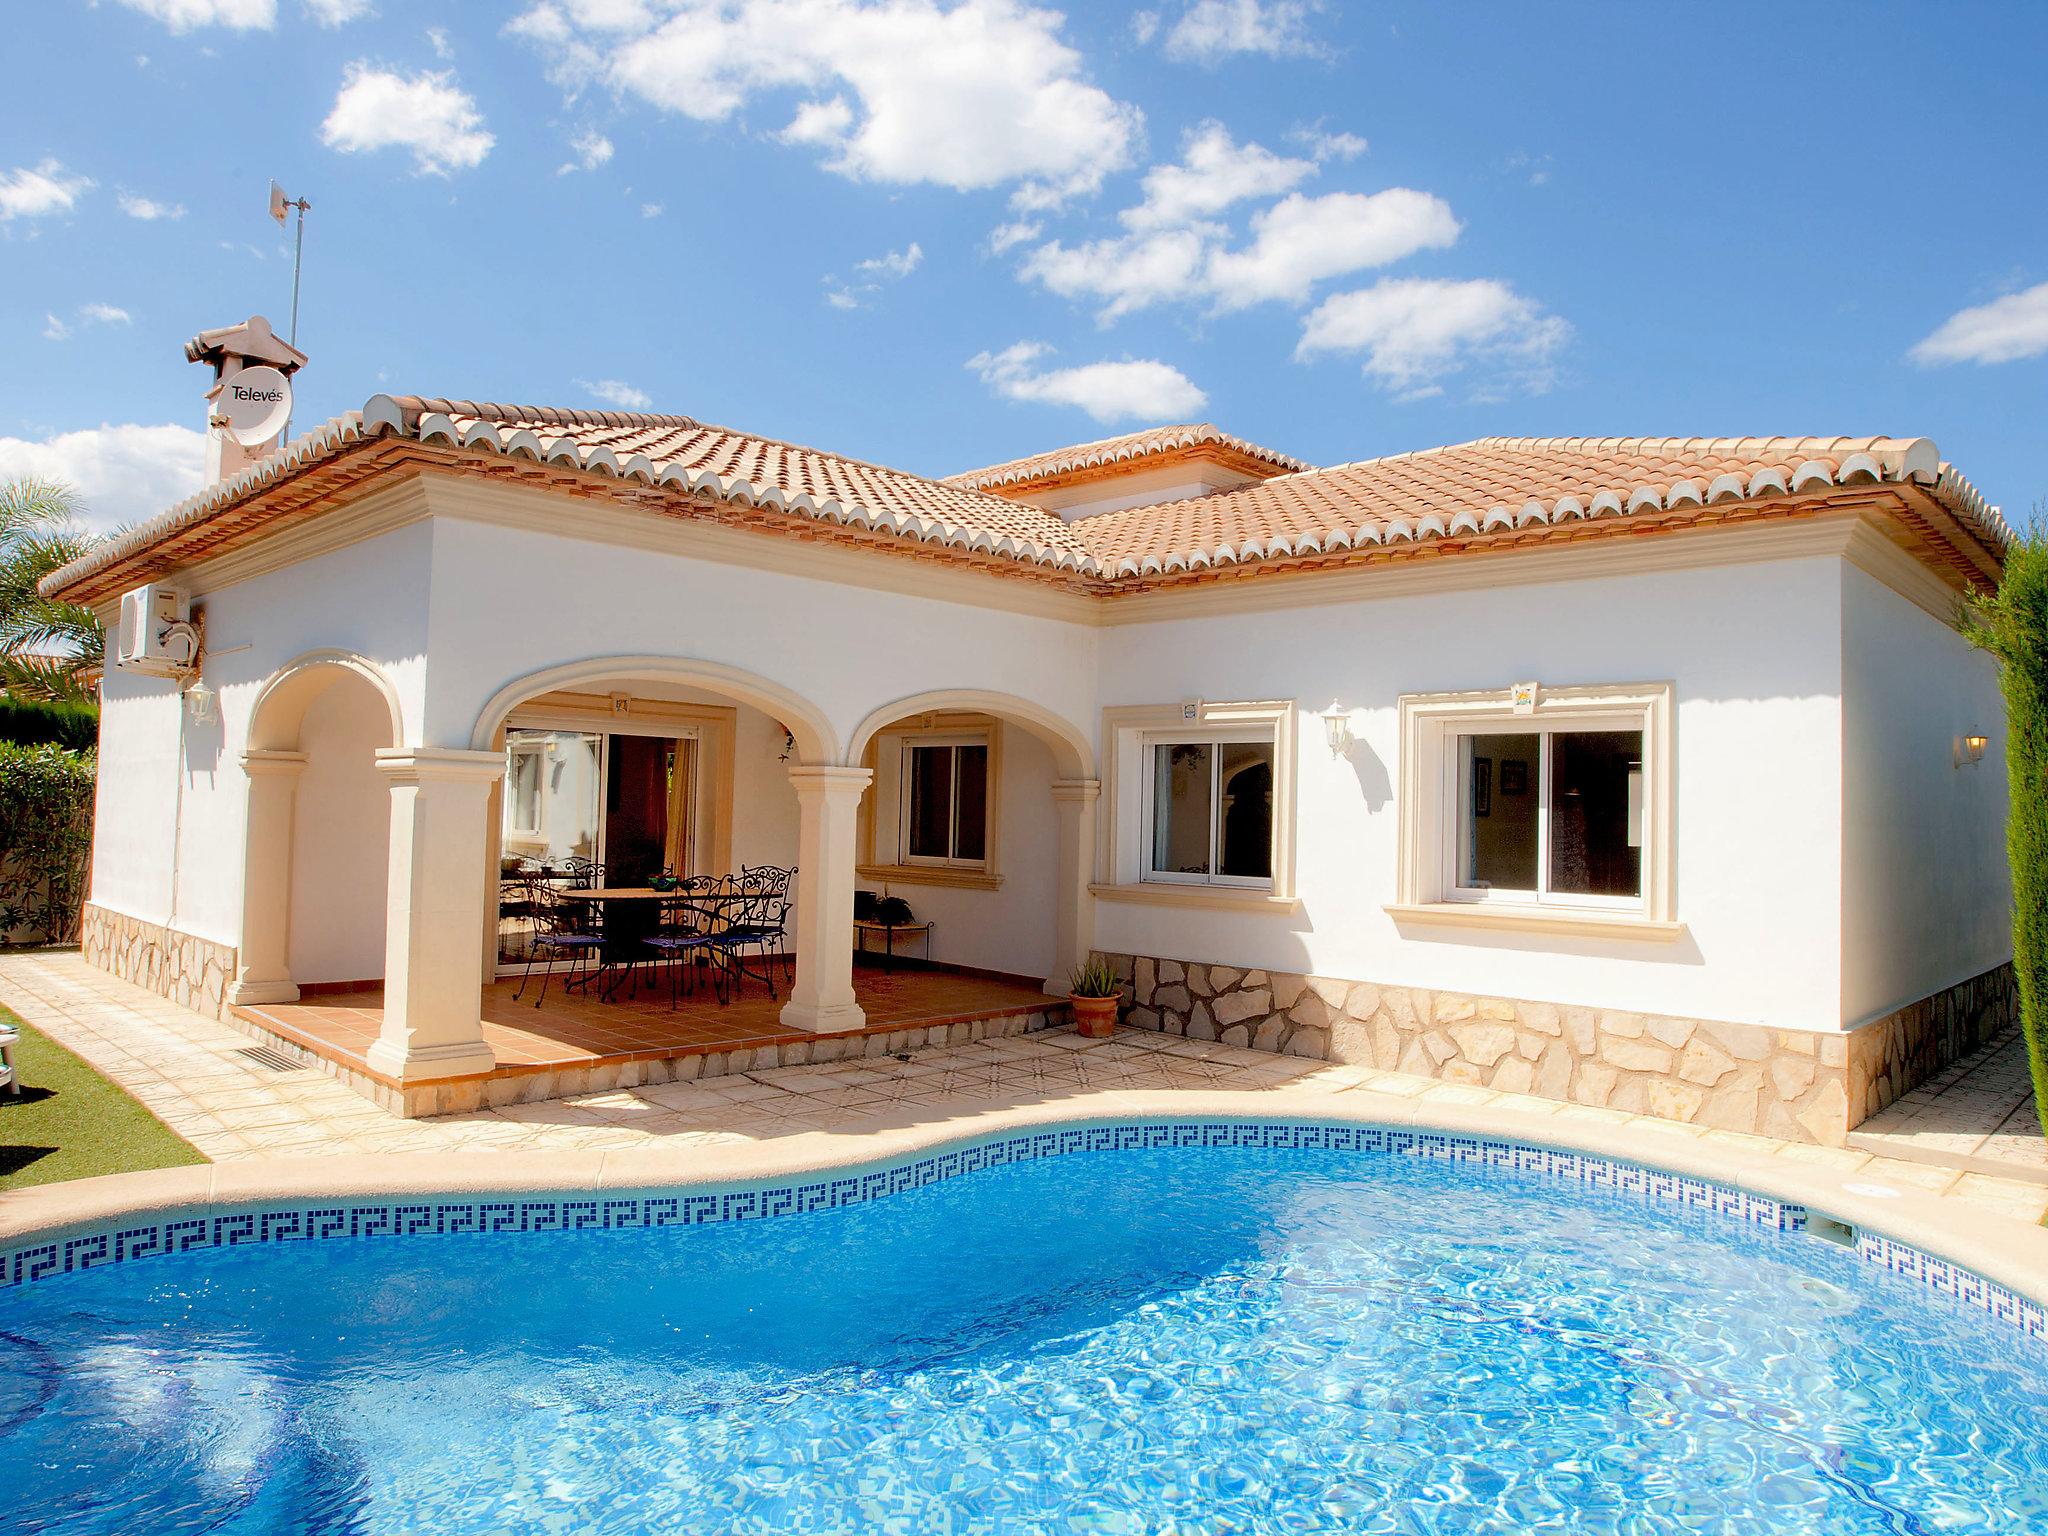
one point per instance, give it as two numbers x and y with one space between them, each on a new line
1584 924
929 874
1224 898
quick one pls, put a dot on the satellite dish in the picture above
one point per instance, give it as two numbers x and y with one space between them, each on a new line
255 404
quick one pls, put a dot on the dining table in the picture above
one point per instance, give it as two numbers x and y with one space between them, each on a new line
632 915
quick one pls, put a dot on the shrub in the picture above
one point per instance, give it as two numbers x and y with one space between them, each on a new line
1093 977
45 839
2013 625
32 722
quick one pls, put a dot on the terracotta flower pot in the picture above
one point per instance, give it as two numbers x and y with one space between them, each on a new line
1095 1017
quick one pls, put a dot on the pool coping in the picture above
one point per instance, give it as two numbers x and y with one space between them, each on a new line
2006 1252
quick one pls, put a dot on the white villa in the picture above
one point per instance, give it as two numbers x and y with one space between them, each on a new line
1648 773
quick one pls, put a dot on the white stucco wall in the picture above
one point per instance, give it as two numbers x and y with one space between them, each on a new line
341 839
508 603
136 796
1010 928
370 598
1754 652
763 804
1781 833
1926 897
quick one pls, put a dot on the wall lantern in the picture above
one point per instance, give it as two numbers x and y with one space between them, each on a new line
199 701
1970 750
1337 729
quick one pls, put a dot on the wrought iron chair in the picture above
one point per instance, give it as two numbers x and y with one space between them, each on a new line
582 874
757 917
783 882
685 934
563 929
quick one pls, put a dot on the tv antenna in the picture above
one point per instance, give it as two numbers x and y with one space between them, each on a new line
279 206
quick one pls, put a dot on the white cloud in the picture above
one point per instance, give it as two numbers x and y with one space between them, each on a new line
616 392
1415 332
895 265
123 473
978 94
650 210
1129 273
1296 243
2003 331
891 267
1324 146
1144 26
427 113
185 15
148 208
338 13
1212 30
437 39
30 192
1004 237
1301 240
592 150
55 329
1214 173
1106 391
819 122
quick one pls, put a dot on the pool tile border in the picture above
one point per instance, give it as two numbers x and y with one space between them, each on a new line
127 1242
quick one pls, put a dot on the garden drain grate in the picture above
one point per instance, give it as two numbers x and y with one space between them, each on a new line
269 1059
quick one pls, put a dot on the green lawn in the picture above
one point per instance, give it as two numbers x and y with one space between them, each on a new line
71 1123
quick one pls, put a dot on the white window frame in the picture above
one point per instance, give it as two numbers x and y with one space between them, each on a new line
1431 813
950 741
527 749
884 834
1147 796
1124 814
1454 851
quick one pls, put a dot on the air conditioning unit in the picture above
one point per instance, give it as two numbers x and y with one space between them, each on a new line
157 635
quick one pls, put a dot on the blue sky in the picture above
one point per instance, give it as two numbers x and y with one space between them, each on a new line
938 235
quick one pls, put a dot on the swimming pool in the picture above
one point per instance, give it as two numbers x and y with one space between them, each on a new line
1185 1334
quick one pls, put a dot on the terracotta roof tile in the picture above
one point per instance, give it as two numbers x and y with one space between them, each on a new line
1509 483
1129 447
1527 487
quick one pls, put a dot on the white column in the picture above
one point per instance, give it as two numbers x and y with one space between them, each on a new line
828 801
263 972
433 965
1073 903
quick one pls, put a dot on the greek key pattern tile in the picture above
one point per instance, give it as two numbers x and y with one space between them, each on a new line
431 1216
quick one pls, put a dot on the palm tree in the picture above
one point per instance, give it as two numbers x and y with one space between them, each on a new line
48 649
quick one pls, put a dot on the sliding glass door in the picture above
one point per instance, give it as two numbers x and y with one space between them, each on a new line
622 799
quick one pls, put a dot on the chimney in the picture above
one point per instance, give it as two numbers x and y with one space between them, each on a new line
233 350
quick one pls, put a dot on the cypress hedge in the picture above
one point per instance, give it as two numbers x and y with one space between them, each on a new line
34 722
2012 625
46 797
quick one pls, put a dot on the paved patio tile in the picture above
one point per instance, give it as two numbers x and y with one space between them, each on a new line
190 1071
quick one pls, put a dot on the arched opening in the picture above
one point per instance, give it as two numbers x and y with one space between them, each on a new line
318 828
341 838
640 768
980 818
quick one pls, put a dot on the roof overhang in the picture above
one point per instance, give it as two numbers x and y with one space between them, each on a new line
1929 510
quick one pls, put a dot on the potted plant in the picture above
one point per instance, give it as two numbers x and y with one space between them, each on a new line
1095 992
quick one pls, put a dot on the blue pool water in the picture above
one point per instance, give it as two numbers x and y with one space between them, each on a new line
1160 1341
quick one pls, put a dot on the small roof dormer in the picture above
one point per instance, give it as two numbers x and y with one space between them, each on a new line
1137 469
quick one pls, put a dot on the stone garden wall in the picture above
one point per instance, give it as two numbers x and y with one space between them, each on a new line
1792 1085
190 971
